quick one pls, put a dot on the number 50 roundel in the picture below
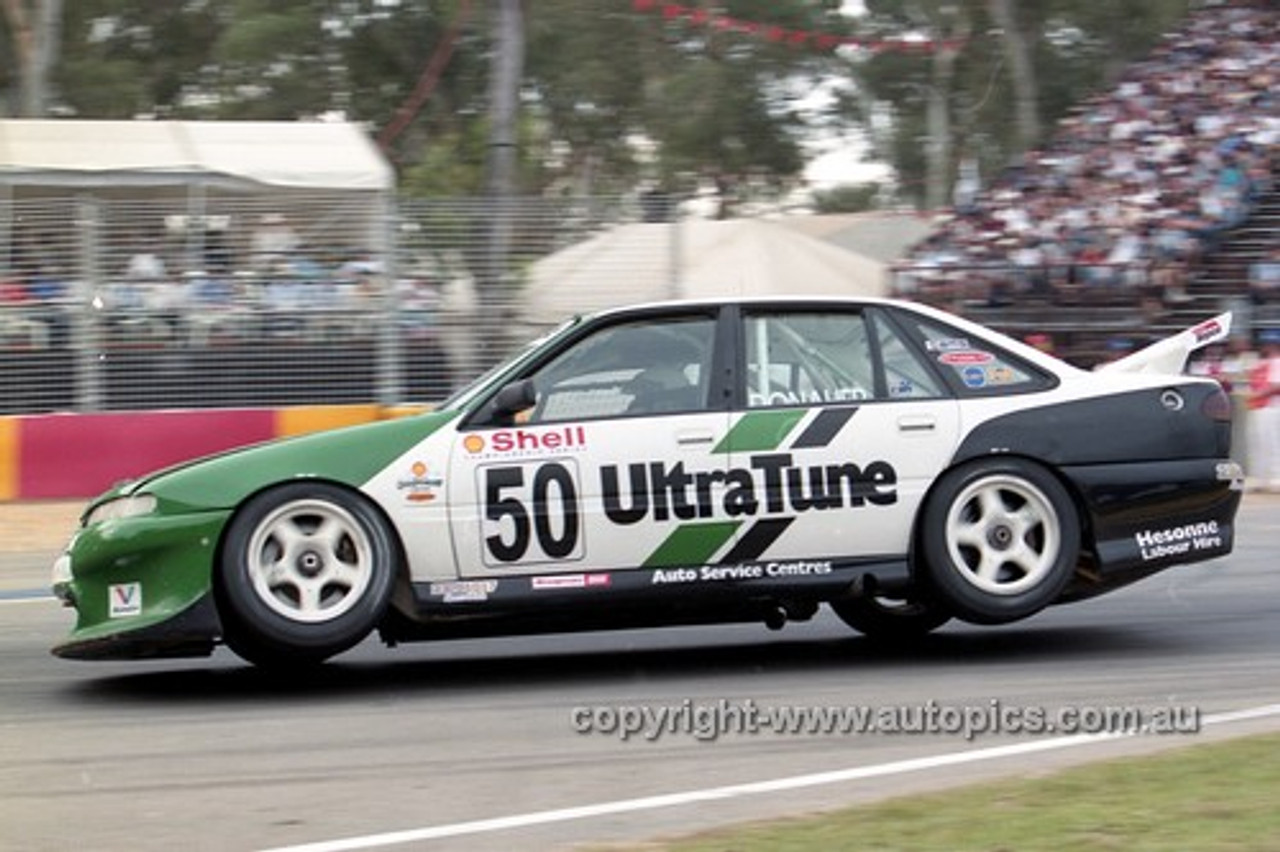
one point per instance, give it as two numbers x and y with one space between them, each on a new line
531 513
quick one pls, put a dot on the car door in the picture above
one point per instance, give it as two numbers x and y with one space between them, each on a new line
597 474
844 427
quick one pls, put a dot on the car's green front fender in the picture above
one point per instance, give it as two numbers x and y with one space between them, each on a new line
130 575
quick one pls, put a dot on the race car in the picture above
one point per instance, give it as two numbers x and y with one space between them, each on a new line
677 463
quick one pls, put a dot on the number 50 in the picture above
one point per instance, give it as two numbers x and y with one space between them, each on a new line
545 510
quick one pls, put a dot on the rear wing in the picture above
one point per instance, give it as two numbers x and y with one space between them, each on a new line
1169 356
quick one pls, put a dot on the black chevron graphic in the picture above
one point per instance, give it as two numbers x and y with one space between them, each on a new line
755 541
824 427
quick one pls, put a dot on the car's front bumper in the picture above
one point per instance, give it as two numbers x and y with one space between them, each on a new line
141 587
190 633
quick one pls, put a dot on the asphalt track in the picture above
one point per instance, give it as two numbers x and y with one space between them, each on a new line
471 745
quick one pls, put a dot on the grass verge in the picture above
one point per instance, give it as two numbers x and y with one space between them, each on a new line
1220 797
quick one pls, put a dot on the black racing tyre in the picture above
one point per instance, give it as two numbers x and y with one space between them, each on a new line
890 619
306 572
1000 540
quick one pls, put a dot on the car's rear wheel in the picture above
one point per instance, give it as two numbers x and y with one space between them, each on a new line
890 619
307 571
1000 540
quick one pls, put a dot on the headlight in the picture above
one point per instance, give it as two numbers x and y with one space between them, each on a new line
121 507
62 580
61 574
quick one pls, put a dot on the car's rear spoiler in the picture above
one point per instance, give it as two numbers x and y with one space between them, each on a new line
1169 356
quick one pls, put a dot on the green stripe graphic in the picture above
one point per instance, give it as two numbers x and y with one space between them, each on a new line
692 544
762 430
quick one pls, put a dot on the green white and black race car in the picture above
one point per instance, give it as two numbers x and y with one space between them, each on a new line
680 463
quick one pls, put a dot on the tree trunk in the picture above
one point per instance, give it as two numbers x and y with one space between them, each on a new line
506 70
952 26
495 290
35 33
24 48
938 144
1022 70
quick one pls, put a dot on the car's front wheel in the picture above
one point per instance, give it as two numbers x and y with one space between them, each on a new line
1000 540
890 619
306 572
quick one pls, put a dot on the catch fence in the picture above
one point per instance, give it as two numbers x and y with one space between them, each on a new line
127 304
112 303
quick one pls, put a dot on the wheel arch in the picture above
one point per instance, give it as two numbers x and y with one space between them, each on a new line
401 582
1088 540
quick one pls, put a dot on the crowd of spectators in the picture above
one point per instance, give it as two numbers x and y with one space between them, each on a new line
1135 185
1264 277
277 289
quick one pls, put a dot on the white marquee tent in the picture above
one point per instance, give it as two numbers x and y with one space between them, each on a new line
234 155
198 177
693 259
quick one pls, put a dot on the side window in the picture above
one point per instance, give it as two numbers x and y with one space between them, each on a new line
906 375
648 367
975 365
807 359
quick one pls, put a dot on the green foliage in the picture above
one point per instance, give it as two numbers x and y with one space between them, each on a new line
712 105
850 198
123 59
612 98
451 164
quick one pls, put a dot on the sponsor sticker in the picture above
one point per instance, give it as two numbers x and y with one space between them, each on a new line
902 388
1231 472
124 600
948 344
770 484
742 571
1001 375
419 486
1178 541
974 377
964 357
1207 330
463 591
517 442
572 581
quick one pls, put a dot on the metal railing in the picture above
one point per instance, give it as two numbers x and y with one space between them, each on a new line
114 303
1068 283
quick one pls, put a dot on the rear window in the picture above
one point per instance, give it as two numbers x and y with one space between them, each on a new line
971 365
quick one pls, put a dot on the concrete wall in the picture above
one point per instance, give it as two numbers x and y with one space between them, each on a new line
61 456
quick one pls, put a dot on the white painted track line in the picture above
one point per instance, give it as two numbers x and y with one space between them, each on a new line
856 773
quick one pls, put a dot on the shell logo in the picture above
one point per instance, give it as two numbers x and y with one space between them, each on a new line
473 443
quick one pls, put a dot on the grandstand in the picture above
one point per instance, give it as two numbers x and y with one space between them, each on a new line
1141 214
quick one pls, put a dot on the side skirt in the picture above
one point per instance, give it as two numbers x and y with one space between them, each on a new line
772 592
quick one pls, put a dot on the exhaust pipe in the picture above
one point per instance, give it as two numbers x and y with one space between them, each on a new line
775 618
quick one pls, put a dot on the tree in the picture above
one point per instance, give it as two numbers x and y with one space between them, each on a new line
1032 61
723 107
849 198
33 29
611 94
677 101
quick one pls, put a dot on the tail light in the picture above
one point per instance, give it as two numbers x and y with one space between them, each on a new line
1217 406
